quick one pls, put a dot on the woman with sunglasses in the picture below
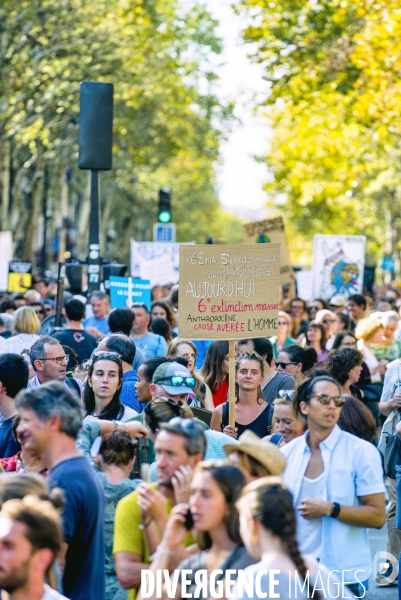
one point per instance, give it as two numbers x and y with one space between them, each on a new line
286 424
101 396
283 338
186 349
251 410
296 361
215 488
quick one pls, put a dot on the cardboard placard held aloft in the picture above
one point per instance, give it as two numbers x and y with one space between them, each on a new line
229 292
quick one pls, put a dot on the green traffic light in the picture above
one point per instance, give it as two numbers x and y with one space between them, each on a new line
164 216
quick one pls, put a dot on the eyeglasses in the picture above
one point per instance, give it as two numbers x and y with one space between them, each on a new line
177 381
324 399
40 312
325 321
105 354
60 360
286 394
314 308
48 309
284 365
282 323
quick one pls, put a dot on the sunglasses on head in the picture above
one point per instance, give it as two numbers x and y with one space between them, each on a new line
177 381
325 399
284 365
106 355
286 394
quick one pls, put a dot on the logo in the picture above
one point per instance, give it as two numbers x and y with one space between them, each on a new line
78 337
387 572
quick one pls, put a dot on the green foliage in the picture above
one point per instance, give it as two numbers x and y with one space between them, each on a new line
167 122
334 105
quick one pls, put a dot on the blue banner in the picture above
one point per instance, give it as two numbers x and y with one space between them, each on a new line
119 288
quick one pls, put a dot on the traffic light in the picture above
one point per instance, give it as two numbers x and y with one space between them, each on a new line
164 212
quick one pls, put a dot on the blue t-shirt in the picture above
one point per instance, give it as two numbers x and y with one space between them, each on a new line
8 445
128 395
100 324
151 345
83 521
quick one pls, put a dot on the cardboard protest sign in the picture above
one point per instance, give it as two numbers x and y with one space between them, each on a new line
338 265
271 230
6 254
156 261
229 292
124 292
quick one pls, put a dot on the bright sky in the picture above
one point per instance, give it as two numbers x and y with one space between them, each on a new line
240 177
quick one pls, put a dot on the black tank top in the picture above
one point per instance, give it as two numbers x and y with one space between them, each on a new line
261 426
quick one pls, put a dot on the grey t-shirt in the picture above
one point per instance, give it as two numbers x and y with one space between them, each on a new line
281 381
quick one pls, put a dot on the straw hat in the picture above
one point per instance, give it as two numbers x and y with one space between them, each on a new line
264 452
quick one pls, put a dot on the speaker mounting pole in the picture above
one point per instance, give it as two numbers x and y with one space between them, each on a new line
94 259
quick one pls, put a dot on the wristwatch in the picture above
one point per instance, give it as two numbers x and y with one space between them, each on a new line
143 526
335 511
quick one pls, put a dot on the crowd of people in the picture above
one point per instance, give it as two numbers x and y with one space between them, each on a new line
119 456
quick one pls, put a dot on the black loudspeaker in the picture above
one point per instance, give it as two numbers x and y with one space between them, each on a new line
95 125
113 269
74 276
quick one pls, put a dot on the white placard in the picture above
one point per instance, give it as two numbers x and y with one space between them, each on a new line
304 285
338 262
6 255
156 261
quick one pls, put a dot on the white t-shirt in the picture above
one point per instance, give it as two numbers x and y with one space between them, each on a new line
52 594
309 531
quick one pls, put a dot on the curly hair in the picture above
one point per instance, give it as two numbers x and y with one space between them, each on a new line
340 362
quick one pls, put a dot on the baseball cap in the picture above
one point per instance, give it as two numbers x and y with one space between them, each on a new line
175 378
338 301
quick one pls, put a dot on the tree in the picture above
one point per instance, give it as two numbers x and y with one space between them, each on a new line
333 66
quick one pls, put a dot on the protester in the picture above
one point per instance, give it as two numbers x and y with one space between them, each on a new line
315 337
172 380
251 410
163 310
74 335
388 348
24 461
327 319
13 378
341 322
39 309
215 370
267 526
6 325
120 321
51 417
143 515
187 349
298 312
273 380
287 425
255 457
296 361
25 328
98 324
30 541
42 285
336 481
368 332
315 306
49 306
27 358
8 305
356 307
347 339
150 343
345 366
338 304
49 361
390 407
357 419
283 338
145 375
101 396
126 349
215 488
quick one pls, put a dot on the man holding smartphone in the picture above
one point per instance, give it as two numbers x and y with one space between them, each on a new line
141 516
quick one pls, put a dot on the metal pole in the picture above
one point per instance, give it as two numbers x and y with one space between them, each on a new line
94 260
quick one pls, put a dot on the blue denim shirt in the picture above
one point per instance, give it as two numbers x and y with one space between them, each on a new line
128 395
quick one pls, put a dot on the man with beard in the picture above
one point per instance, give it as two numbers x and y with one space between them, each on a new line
142 515
30 540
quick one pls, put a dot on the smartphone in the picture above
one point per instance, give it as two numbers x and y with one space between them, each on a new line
189 521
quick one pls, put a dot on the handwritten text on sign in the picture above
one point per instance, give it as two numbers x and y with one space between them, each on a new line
229 292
